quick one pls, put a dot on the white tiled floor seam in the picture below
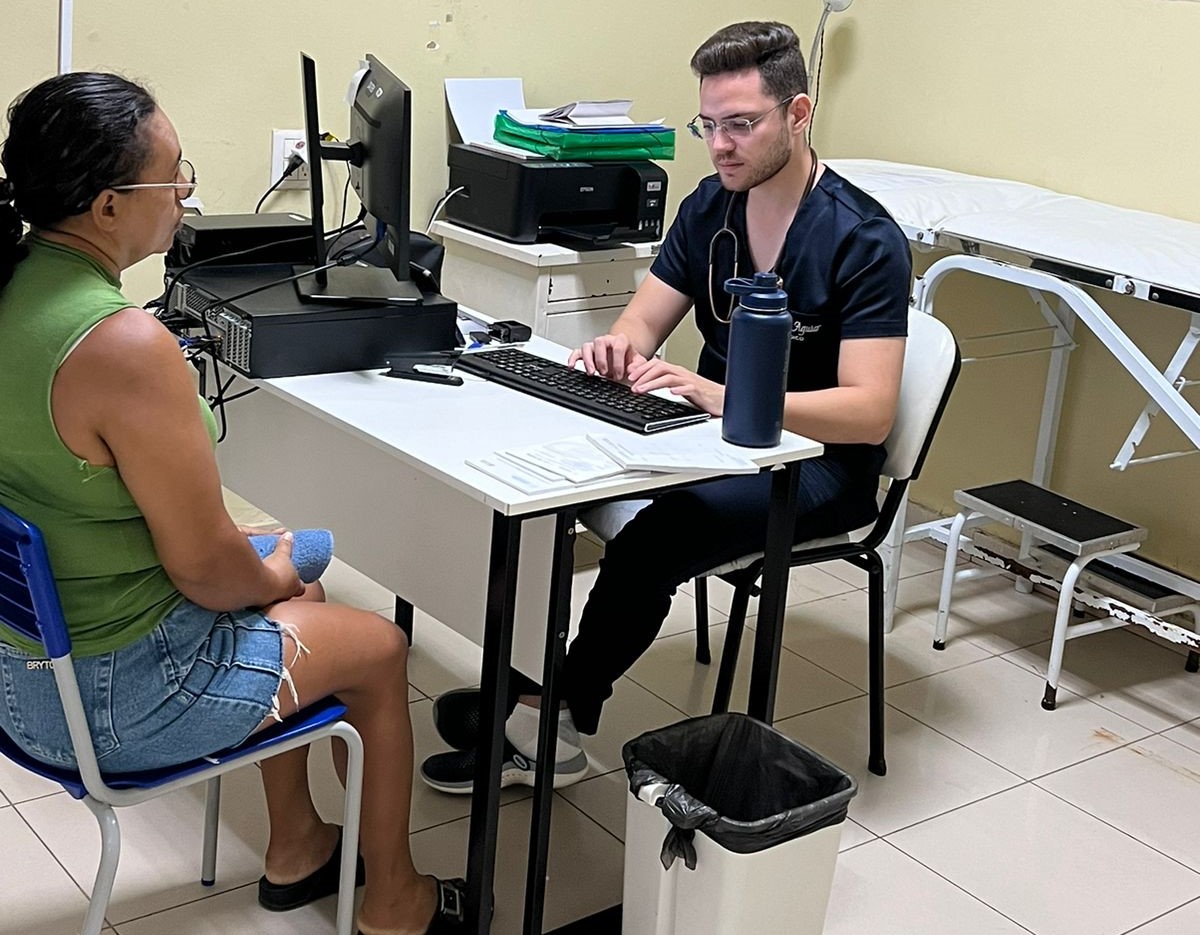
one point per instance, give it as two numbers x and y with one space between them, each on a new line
952 883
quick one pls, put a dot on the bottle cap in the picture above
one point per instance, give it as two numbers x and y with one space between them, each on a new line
762 293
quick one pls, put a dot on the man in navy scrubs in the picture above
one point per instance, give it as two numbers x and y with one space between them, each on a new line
845 265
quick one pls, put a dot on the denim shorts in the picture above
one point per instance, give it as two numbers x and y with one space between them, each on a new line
197 683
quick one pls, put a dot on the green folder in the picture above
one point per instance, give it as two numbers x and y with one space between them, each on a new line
592 145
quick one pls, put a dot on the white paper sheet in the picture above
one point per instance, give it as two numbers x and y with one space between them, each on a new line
474 104
669 454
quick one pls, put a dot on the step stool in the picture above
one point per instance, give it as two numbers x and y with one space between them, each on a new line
1043 517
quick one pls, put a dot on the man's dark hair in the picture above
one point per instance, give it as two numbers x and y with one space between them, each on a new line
69 138
772 48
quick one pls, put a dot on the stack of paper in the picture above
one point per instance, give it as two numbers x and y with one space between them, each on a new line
581 459
583 115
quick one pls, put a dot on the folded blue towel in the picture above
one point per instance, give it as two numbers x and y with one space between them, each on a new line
311 551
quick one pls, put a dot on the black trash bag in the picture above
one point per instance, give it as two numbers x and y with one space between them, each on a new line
742 783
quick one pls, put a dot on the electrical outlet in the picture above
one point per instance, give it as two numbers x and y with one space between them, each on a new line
283 144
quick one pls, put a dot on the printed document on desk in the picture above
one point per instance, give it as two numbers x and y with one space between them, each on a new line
582 459
665 453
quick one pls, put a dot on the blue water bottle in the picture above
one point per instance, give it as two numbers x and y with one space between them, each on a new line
756 372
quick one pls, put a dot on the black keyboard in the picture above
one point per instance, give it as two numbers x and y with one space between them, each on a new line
573 389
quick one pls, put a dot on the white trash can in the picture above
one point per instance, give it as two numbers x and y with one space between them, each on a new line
731 828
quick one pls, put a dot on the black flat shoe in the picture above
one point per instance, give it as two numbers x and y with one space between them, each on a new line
449 916
280 897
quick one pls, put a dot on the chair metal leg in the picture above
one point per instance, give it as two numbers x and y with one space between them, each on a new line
212 820
892 549
875 758
943 613
1193 659
733 645
106 873
703 655
350 821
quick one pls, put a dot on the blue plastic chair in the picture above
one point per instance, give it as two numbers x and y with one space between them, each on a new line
29 605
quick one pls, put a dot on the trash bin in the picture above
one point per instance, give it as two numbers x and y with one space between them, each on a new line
769 812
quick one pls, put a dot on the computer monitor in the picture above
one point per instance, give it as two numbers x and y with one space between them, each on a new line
378 152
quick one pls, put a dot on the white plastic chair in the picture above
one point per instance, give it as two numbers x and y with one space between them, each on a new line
29 605
931 365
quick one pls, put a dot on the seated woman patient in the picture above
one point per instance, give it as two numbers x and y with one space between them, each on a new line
185 641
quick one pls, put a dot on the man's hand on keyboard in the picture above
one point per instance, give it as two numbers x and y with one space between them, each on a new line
657 374
610 355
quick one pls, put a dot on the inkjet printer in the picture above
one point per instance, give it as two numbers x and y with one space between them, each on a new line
585 205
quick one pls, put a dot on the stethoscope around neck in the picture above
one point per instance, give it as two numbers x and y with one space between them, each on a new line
728 232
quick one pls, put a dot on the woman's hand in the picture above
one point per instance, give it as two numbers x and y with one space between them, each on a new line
655 374
286 581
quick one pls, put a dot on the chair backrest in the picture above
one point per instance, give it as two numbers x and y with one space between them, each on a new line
931 365
29 605
28 596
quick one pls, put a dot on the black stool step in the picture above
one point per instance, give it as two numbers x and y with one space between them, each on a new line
1128 586
1051 517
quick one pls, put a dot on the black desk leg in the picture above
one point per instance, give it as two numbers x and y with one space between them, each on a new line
404 617
768 636
497 651
557 624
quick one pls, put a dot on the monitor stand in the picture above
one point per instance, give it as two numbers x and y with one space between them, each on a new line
357 285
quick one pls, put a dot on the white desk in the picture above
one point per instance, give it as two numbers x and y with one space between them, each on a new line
568 296
380 461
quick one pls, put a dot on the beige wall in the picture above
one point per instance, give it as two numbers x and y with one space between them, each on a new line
1088 97
1093 97
227 72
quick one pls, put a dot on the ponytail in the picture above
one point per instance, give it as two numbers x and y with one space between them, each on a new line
12 251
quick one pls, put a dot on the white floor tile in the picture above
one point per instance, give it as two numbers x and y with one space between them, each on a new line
603 799
1182 921
1136 678
877 890
37 895
244 512
833 633
235 911
927 773
20 785
161 839
916 558
585 866
630 712
669 669
346 585
1186 734
805 583
441 658
1147 789
988 612
160 844
1048 866
994 708
854 834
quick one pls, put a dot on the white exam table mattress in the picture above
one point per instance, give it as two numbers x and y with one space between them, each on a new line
1034 221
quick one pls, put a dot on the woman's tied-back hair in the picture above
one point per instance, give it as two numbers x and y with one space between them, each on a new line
69 138
772 48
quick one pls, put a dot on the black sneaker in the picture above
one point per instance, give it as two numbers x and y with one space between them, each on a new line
457 715
454 772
